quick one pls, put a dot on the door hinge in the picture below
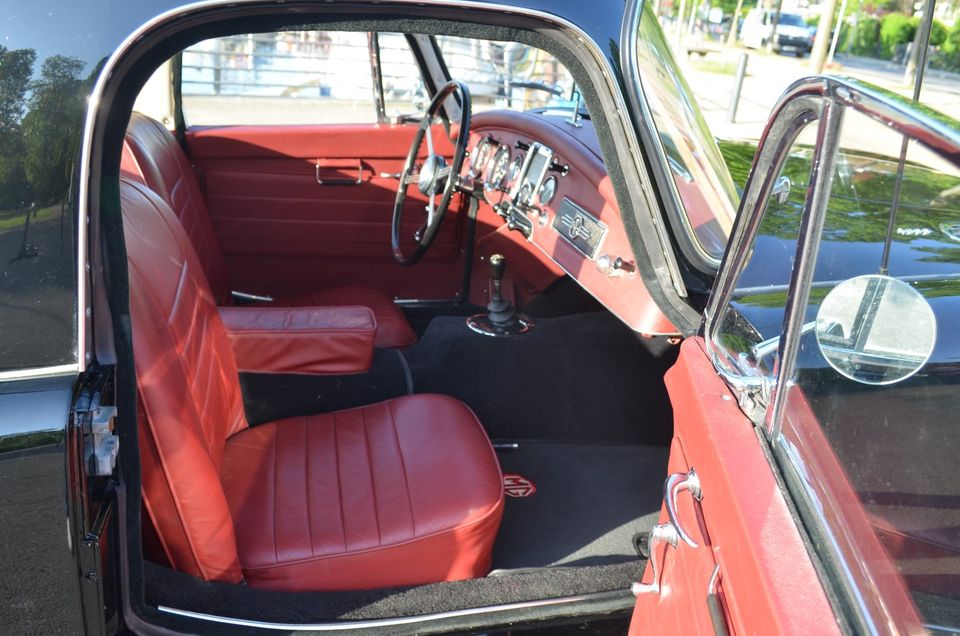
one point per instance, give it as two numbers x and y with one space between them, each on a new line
100 445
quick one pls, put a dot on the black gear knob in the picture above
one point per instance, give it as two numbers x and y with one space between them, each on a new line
498 263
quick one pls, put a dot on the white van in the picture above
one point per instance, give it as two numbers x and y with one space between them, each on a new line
793 34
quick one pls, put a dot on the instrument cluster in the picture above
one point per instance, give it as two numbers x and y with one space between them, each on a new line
521 183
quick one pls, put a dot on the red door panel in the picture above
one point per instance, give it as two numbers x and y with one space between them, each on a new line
767 583
284 233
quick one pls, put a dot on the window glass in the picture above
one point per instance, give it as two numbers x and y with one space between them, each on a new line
403 89
896 442
507 74
288 77
705 193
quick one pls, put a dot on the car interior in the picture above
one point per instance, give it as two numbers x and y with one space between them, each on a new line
337 423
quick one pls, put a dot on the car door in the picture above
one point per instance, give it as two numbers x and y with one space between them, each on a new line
795 502
298 160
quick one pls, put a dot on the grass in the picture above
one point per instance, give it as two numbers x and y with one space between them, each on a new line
15 218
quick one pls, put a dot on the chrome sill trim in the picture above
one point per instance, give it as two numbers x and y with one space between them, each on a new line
40 372
403 620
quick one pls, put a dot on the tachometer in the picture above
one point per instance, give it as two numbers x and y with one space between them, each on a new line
498 169
481 155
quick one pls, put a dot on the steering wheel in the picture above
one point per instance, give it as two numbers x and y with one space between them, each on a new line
434 177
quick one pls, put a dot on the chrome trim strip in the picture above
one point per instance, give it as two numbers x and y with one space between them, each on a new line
40 372
628 602
808 247
942 628
792 453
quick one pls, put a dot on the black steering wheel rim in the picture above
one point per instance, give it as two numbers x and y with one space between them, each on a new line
434 168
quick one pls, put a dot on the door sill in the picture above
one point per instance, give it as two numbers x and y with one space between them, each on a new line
601 603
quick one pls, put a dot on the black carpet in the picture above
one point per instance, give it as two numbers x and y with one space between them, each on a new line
589 503
273 396
585 377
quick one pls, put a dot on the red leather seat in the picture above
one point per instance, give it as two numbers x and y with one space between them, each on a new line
403 492
162 165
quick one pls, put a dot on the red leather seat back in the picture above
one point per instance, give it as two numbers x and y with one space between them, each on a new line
164 167
189 389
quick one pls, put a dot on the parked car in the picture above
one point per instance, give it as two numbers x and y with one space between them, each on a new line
793 33
284 349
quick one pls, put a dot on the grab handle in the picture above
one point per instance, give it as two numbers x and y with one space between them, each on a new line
676 483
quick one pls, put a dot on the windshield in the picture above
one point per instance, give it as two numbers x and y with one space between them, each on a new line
703 189
792 19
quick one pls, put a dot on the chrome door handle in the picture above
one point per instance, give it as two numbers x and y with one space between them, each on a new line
661 533
340 180
674 484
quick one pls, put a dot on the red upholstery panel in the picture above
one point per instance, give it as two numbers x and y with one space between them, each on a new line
152 156
403 492
167 172
393 330
275 222
188 386
301 339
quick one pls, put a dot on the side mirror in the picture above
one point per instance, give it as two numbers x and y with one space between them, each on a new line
876 329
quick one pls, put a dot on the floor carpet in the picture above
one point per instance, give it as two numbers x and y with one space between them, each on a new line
585 377
590 501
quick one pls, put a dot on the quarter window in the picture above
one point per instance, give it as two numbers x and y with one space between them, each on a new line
286 77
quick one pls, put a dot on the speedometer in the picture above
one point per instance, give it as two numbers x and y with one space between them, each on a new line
498 169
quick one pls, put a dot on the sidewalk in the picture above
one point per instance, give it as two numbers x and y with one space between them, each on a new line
768 75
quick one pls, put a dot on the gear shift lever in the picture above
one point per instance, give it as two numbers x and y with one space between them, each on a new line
502 319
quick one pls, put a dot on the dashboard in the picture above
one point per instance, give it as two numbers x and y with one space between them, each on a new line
544 178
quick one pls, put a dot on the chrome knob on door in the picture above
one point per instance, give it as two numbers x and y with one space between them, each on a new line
676 483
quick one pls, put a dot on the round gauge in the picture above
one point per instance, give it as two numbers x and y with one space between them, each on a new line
481 155
515 167
547 191
498 169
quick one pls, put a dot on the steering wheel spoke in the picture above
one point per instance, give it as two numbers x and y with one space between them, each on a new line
436 177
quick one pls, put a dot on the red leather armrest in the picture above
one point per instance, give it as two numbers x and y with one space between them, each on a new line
313 340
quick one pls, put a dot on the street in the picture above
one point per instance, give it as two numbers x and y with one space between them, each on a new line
768 75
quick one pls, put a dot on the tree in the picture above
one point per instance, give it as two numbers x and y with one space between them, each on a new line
16 67
51 127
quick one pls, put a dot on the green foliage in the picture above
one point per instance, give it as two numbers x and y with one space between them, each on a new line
896 28
51 128
16 67
866 38
952 42
938 33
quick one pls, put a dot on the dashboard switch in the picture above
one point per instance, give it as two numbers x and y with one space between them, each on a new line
613 267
